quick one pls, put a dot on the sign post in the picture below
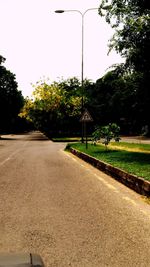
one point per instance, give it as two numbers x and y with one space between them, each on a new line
86 117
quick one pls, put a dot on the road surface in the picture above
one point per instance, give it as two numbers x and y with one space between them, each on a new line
54 204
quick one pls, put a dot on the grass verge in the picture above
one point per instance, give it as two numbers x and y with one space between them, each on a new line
68 139
137 163
131 146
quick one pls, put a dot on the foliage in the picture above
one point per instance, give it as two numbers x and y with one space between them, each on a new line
113 98
106 133
11 100
55 107
131 19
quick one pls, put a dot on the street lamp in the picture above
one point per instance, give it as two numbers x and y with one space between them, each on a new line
60 11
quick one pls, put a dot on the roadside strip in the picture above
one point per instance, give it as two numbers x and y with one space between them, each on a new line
134 182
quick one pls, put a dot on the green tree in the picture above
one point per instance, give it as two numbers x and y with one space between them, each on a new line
131 19
106 133
113 98
11 100
56 107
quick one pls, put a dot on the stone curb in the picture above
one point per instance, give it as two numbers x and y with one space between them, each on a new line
132 181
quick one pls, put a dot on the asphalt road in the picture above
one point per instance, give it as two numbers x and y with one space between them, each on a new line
64 209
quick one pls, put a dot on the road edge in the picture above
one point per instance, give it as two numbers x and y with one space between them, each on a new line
134 182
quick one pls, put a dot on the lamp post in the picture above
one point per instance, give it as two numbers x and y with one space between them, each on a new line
82 60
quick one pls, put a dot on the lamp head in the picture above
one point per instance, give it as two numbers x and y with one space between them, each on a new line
59 11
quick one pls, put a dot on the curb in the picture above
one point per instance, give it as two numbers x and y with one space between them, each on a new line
134 182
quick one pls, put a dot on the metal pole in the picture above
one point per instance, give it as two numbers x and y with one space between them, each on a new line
82 76
82 62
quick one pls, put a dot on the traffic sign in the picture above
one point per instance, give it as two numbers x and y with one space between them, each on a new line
86 117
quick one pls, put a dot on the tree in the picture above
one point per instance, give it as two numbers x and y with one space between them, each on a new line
131 19
56 107
106 133
11 100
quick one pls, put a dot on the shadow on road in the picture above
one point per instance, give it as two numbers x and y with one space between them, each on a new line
30 136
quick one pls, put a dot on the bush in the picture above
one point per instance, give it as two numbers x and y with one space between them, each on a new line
106 133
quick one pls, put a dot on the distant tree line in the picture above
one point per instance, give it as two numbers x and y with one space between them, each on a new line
56 107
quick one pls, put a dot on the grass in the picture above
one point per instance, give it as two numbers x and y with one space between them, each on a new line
66 139
137 163
131 146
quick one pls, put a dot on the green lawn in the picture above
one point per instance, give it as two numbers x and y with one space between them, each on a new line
134 162
133 146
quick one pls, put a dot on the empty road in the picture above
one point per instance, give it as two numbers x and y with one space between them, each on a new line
54 204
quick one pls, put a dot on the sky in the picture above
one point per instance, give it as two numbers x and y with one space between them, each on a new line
38 43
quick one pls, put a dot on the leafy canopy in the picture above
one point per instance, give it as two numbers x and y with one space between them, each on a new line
106 133
11 100
131 18
55 106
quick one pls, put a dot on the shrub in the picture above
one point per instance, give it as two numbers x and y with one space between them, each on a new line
106 133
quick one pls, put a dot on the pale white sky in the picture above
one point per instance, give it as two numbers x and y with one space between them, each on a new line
37 42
